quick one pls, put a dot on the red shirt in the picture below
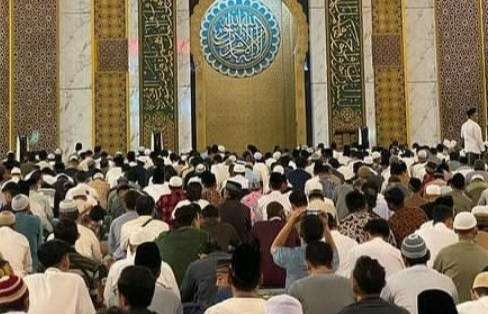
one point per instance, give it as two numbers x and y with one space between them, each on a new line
265 232
166 204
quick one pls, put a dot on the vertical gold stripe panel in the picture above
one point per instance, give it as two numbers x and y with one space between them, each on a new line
4 77
34 76
389 75
110 60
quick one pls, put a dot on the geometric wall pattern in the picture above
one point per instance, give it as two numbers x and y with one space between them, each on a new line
389 74
35 71
345 70
4 77
158 71
110 75
460 67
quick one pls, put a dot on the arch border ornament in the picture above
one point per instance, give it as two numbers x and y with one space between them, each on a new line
300 52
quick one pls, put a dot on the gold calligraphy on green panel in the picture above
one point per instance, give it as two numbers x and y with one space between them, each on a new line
158 70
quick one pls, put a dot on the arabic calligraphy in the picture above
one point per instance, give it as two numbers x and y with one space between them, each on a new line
158 67
239 38
345 45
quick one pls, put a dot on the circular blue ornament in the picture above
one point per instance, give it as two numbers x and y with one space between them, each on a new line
239 38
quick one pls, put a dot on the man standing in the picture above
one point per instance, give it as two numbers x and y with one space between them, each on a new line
472 137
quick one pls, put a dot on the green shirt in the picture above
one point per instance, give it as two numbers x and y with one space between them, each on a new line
181 247
462 262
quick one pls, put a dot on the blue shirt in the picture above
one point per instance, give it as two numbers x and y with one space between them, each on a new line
115 227
293 261
31 227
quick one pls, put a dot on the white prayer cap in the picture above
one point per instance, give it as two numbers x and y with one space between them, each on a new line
422 154
49 179
277 155
78 192
433 190
200 168
147 152
132 164
464 221
292 165
477 177
67 206
258 156
51 157
238 168
167 162
315 186
270 162
283 304
462 153
480 210
446 190
98 175
74 157
368 160
376 155
195 180
58 151
20 203
141 236
15 171
278 169
175 182
221 149
118 154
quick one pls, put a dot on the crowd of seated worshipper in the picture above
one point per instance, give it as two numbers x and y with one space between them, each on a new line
309 230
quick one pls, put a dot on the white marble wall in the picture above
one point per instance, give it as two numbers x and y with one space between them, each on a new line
133 37
422 93
75 70
369 100
184 77
318 68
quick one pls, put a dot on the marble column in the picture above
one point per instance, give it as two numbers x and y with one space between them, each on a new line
75 70
133 21
421 65
318 68
184 77
369 99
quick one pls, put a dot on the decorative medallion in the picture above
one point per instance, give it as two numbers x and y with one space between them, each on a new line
239 38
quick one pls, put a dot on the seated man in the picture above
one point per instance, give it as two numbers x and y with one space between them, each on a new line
14 295
136 289
14 246
182 245
244 279
264 232
310 290
90 270
479 295
164 301
56 288
368 279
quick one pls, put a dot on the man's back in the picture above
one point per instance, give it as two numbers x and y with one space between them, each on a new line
55 290
180 247
238 306
405 221
265 232
310 292
199 284
462 203
238 215
30 226
462 262
165 301
436 238
373 305
404 287
223 233
14 248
